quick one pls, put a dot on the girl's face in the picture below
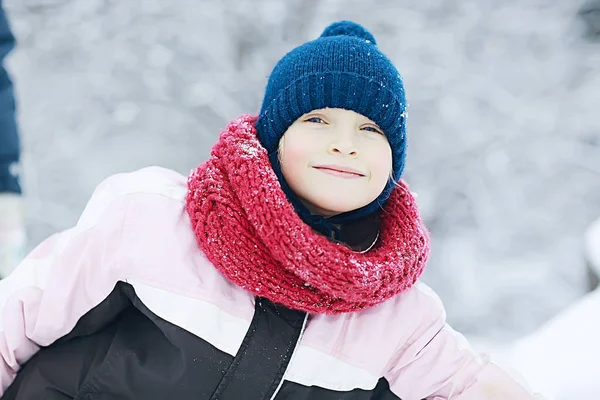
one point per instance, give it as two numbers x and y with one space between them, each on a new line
335 160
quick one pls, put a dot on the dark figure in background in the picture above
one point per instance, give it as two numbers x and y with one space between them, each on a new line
12 232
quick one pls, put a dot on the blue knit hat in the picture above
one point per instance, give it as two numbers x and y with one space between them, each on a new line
343 68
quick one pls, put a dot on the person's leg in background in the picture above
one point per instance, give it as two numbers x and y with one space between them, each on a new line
12 231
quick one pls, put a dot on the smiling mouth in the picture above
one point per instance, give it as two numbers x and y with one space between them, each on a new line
341 172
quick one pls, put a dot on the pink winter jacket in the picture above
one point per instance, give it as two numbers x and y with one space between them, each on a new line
136 224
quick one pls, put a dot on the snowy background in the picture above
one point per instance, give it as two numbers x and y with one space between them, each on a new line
504 121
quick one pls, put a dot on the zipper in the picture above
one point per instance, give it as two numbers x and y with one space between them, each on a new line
291 358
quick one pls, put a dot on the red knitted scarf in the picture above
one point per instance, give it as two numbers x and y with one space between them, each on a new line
248 229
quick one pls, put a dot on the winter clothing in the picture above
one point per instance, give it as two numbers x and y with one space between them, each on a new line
9 139
235 197
343 68
125 305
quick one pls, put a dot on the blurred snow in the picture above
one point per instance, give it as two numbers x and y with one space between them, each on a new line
572 340
504 126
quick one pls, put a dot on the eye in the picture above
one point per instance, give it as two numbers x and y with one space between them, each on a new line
372 129
316 120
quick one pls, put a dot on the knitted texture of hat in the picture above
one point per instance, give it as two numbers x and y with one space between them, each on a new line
343 68
250 232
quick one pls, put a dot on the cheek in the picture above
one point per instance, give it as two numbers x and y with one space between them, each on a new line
381 165
290 154
293 157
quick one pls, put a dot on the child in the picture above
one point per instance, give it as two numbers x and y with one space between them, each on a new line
286 268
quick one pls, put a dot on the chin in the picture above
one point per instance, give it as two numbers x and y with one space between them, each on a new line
334 206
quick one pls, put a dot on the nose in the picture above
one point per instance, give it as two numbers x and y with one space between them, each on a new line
343 145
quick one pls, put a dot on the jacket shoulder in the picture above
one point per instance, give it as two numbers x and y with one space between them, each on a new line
149 180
